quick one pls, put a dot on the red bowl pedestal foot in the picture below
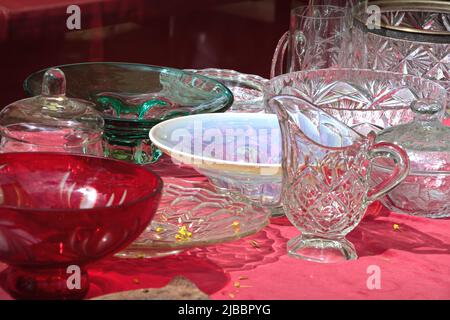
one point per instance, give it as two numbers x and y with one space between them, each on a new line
47 283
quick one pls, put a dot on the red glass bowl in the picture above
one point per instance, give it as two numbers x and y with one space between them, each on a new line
59 212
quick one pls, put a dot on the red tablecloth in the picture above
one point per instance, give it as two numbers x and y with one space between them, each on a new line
414 260
414 263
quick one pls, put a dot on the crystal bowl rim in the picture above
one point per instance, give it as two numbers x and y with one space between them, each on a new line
228 95
394 34
268 91
430 6
147 196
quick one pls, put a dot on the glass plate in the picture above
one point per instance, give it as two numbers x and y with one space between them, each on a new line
247 89
191 214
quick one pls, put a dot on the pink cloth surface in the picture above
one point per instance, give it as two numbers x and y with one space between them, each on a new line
414 261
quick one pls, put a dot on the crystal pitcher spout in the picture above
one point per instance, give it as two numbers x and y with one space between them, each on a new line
326 178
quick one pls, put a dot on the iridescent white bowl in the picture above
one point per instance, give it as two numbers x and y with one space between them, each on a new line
240 153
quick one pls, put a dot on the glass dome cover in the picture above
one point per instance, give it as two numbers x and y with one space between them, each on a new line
426 139
51 121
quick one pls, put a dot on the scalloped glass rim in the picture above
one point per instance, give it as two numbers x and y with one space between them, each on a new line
251 80
269 91
227 97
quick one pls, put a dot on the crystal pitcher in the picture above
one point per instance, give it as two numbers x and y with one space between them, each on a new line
318 38
326 178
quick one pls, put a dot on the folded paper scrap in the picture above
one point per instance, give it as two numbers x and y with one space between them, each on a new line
179 288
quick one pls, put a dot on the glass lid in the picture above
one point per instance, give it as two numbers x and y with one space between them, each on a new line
426 138
51 119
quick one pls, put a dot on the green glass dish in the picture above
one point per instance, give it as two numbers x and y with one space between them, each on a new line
132 98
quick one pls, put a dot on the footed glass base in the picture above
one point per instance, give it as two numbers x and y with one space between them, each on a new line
46 283
321 250
140 151
262 194
276 212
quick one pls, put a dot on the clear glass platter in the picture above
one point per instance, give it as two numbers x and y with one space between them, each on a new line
191 214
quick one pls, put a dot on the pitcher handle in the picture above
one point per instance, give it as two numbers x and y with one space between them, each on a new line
278 56
400 170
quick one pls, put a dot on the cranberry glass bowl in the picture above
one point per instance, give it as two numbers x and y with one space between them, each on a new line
59 212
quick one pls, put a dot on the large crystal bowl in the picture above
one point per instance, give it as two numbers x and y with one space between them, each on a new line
60 212
413 38
132 98
357 96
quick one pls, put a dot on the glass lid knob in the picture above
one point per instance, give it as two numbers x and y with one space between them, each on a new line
54 83
426 109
